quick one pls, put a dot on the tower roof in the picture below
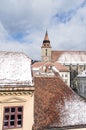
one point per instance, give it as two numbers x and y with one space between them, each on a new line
46 41
46 38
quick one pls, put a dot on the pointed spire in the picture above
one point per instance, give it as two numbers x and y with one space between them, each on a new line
46 41
46 38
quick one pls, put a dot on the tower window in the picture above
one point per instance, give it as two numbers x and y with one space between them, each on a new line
46 52
13 117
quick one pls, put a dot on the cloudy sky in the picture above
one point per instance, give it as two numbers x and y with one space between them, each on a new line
23 24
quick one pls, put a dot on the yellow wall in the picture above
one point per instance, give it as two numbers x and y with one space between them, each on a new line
27 101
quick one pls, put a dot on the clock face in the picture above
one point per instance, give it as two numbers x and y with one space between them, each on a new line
46 58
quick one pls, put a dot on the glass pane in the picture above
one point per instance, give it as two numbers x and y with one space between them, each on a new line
19 123
19 109
11 123
7 110
12 117
12 109
19 117
6 117
5 123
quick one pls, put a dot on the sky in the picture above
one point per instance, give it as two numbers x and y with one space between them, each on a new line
23 24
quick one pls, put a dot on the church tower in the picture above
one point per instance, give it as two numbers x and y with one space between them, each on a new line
46 49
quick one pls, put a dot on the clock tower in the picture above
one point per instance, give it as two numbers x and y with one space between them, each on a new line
46 49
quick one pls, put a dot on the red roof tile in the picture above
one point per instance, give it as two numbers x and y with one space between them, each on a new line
37 64
51 110
57 54
60 67
57 65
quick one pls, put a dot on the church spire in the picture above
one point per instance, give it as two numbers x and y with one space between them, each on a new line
46 41
46 38
46 49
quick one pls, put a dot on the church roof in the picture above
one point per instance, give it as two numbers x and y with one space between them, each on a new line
46 38
15 69
46 41
56 105
69 57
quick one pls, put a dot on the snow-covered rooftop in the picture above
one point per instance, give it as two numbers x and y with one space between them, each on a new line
69 57
57 105
15 69
83 74
73 58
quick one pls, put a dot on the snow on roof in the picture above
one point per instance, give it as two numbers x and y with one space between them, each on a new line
83 74
37 65
69 57
15 68
48 69
57 105
58 66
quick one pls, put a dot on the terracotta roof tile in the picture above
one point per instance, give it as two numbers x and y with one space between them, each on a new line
55 55
58 66
51 110
37 64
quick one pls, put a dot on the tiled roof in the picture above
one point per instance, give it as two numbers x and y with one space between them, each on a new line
69 56
56 105
60 67
55 55
15 69
37 64
57 65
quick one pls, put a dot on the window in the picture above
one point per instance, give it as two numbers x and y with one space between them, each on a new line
13 117
46 52
65 75
66 81
62 75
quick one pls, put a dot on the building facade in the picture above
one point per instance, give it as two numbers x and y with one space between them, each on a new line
75 61
48 68
16 92
46 49
57 107
81 84
16 108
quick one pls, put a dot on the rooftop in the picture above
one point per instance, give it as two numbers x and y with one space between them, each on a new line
69 57
57 105
15 69
83 74
58 66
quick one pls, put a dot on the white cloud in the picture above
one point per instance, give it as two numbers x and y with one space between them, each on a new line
32 17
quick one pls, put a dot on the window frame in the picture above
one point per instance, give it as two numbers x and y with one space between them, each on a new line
16 119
